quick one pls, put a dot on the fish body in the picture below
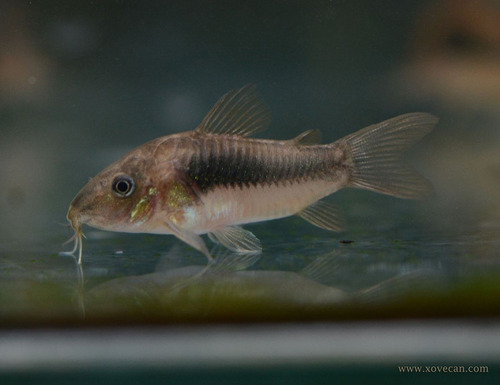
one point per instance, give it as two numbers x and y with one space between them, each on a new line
230 180
215 178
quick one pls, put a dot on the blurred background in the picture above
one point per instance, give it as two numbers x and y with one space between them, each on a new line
82 83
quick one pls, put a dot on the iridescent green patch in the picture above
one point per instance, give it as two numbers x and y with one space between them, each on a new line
143 207
177 196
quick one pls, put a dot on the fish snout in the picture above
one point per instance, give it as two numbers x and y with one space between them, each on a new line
74 218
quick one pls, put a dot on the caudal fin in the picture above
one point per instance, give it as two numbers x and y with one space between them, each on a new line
376 153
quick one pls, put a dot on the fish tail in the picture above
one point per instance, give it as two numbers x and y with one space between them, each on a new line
375 156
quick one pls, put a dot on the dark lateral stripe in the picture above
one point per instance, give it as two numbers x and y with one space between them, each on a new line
238 164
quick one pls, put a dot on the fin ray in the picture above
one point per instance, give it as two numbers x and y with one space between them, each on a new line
376 153
323 268
322 214
239 112
237 239
227 261
192 239
307 138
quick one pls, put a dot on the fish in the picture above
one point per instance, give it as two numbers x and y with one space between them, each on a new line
215 178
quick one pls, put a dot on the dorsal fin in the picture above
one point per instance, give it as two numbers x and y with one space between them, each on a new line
239 112
307 138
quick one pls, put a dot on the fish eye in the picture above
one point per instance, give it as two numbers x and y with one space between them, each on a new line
123 186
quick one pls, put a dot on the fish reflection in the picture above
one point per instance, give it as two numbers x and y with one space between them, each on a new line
229 288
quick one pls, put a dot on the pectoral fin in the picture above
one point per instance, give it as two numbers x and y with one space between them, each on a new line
192 239
237 239
322 214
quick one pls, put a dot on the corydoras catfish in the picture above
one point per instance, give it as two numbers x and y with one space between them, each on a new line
215 178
